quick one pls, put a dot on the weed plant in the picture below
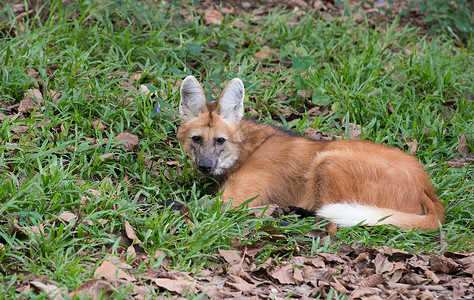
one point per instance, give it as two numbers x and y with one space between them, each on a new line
397 86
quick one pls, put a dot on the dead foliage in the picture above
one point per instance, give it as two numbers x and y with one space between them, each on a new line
356 271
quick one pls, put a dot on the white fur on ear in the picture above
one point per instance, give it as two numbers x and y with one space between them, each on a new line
193 99
231 101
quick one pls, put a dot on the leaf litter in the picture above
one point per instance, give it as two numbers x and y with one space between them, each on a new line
356 271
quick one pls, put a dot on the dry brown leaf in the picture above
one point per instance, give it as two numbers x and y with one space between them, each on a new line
299 276
238 270
309 275
98 125
329 257
310 261
54 95
337 286
413 146
67 216
95 289
131 252
462 145
354 131
136 77
111 272
372 280
273 234
34 230
467 264
382 264
144 90
443 264
231 256
130 140
179 286
43 123
131 233
390 108
52 291
241 285
432 276
284 274
35 93
21 129
417 261
27 105
95 192
119 262
107 156
459 288
263 53
363 293
212 16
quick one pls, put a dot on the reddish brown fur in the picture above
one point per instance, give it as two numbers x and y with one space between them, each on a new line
295 171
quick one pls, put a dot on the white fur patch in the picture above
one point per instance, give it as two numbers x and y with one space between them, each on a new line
226 163
351 214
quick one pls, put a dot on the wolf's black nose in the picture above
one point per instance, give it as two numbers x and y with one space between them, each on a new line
205 168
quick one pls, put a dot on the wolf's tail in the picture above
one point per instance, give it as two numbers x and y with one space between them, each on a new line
351 214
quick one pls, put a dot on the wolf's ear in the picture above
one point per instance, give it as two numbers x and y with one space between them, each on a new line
231 102
193 100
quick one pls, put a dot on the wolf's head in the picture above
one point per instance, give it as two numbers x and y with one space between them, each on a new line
209 131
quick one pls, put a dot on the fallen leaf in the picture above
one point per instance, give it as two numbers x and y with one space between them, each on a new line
52 291
354 131
317 262
372 280
212 16
284 274
241 285
35 93
130 140
458 288
263 53
179 286
95 289
107 156
67 216
111 272
44 123
131 252
413 145
443 264
136 77
144 90
390 108
462 145
467 264
231 256
98 125
21 129
34 230
382 264
131 233
54 95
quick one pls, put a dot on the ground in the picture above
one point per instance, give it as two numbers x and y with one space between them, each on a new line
88 109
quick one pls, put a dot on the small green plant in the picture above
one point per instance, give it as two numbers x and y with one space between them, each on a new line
451 16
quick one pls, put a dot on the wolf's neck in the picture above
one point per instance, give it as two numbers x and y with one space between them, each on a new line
254 136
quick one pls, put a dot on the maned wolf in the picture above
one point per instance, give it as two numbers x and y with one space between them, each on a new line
348 182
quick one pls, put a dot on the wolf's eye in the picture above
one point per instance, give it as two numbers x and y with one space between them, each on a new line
220 141
196 138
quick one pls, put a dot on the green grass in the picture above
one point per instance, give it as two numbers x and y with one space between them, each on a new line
353 70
